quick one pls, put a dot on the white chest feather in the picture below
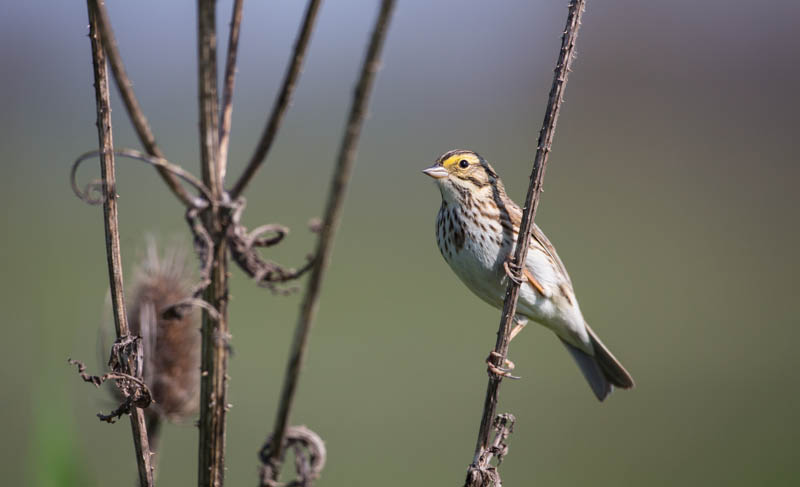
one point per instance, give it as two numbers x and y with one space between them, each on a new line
475 249
476 246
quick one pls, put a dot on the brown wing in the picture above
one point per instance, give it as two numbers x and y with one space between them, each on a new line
515 214
540 237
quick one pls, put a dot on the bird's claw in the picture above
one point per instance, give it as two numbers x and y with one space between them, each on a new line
497 370
513 275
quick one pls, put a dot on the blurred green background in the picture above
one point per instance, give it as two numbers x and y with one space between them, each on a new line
671 196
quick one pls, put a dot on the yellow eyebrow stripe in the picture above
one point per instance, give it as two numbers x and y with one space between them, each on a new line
455 158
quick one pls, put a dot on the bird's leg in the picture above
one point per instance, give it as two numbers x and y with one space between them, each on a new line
518 326
498 371
512 271
508 365
512 274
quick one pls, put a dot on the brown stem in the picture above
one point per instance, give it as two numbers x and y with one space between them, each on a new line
282 102
214 364
333 212
104 135
227 89
531 204
154 423
135 113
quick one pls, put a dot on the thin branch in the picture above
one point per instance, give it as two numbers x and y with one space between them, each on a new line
207 93
113 253
214 361
175 170
333 212
227 90
282 102
545 142
135 113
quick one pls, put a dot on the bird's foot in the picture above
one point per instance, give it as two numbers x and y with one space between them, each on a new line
512 274
518 326
498 371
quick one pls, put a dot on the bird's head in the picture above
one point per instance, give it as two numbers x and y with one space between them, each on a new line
461 174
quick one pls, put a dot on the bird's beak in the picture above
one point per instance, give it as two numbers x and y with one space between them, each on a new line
436 172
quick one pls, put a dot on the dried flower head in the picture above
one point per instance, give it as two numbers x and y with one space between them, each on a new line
170 339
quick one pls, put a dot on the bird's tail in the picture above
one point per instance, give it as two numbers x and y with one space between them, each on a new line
602 370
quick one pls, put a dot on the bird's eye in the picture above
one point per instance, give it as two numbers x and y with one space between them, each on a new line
463 163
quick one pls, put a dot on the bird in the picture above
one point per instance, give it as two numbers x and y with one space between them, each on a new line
476 231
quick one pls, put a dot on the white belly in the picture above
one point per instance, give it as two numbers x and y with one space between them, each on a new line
475 265
476 258
478 262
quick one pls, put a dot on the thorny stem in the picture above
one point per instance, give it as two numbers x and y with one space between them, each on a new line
154 423
214 362
562 69
135 113
104 134
282 102
227 89
333 211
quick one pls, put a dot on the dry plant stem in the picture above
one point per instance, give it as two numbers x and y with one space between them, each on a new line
113 253
214 361
154 424
207 94
282 102
531 204
154 435
227 90
333 212
135 113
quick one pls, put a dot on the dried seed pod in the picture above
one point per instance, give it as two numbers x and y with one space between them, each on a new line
170 339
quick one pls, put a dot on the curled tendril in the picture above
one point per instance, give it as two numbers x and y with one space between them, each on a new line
309 453
256 240
97 185
243 245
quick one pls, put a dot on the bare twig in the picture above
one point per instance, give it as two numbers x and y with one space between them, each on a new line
282 102
227 90
214 361
531 204
112 233
339 181
207 94
203 246
133 389
177 171
135 113
487 475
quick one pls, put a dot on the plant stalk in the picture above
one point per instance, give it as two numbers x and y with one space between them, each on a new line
214 354
333 213
545 142
111 224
